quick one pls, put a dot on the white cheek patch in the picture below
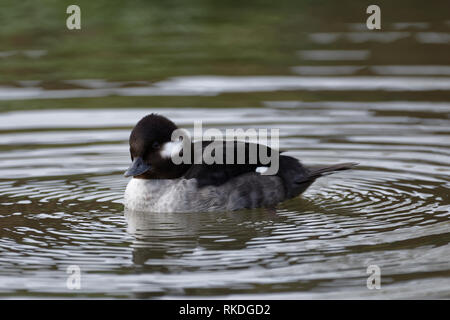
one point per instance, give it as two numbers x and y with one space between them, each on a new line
170 148
261 170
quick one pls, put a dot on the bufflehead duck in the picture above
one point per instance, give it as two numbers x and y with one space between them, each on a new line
160 185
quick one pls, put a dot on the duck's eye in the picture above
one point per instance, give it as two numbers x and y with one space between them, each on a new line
155 145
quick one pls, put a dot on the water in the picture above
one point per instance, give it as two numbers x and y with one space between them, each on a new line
62 188
346 97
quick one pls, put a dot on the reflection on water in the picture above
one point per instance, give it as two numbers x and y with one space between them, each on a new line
62 190
344 95
213 85
334 54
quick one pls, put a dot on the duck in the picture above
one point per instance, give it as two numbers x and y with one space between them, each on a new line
160 184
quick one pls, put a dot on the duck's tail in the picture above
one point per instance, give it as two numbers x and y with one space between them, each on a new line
315 173
297 178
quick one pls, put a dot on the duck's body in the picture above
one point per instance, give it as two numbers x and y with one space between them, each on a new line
160 185
250 190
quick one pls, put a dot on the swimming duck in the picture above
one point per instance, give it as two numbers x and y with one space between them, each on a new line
161 185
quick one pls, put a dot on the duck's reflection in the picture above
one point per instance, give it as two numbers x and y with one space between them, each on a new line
163 240
159 237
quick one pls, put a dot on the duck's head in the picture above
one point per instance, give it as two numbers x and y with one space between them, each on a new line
150 142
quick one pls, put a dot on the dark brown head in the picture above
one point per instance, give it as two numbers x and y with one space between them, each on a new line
147 141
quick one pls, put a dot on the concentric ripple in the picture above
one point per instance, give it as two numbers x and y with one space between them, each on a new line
61 195
348 95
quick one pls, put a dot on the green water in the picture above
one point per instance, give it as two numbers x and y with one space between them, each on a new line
336 91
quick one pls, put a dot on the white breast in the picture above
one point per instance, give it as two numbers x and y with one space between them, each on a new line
159 195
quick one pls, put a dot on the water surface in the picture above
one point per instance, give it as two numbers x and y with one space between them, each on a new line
336 92
61 204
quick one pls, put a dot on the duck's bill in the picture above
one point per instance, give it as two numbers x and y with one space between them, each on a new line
138 167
